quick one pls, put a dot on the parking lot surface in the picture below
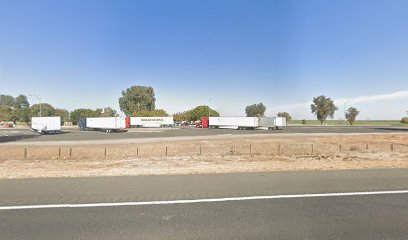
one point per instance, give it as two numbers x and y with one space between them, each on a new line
74 134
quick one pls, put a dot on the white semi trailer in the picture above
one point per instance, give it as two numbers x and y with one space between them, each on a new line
45 125
280 122
106 124
246 123
271 123
234 122
151 122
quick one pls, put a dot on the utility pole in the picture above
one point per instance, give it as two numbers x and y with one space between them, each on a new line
209 101
39 100
344 108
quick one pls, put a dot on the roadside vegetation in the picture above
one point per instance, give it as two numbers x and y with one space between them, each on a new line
255 110
351 115
323 107
195 114
14 109
285 115
141 101
346 123
213 154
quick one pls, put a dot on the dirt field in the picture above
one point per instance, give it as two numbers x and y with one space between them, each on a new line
212 155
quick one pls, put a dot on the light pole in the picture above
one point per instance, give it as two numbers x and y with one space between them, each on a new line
39 100
344 108
13 116
209 101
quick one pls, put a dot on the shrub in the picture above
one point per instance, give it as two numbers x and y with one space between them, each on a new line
404 120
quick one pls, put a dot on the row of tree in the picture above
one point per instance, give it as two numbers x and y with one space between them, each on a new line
14 109
258 110
141 101
19 110
322 107
195 114
81 113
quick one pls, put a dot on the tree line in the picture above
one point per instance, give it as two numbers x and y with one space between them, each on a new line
18 109
322 107
141 101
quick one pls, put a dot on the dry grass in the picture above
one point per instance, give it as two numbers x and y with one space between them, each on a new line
244 154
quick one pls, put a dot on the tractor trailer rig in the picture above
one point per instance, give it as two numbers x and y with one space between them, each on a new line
46 125
244 123
105 124
151 122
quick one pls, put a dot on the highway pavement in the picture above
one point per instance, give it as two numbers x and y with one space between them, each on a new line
74 134
163 207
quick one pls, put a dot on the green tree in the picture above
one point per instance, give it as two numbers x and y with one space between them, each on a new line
323 107
285 115
7 111
78 114
154 113
137 98
22 109
21 101
109 112
46 110
404 120
200 112
63 113
255 110
182 116
351 115
6 101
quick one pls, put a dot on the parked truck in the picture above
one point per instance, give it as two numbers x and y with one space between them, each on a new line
244 123
46 125
151 122
271 123
105 124
233 122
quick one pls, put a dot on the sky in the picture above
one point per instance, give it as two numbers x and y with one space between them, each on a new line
83 53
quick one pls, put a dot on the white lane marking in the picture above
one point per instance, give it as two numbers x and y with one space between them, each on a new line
205 200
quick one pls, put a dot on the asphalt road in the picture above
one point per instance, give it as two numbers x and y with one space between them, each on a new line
331 217
24 135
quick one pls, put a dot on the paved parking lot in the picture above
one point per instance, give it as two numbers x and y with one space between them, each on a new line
73 134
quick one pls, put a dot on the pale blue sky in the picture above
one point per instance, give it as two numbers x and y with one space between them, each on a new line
83 53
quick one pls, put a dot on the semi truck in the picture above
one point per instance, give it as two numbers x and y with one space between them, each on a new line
46 125
244 123
105 124
234 122
151 122
271 123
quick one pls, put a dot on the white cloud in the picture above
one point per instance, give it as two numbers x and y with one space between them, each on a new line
375 98
381 106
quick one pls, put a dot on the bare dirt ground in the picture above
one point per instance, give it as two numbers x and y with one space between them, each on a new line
212 155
